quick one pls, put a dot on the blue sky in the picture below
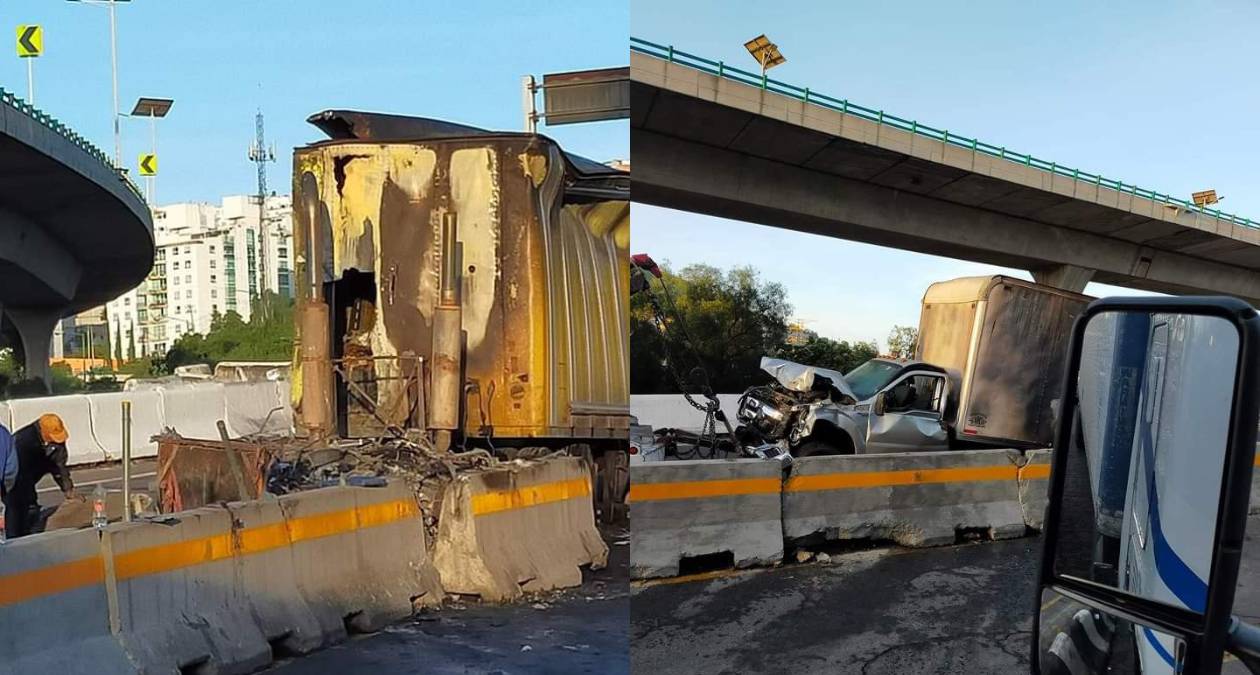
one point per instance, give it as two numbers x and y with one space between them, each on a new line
221 60
1158 93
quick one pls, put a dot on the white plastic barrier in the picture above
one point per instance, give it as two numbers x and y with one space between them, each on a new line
76 415
146 422
258 407
194 411
672 411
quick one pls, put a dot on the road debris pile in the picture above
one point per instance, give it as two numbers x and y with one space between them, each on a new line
197 472
370 462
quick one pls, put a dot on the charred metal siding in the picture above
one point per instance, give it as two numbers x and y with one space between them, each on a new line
542 283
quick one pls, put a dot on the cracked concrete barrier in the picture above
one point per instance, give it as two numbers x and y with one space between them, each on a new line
284 617
225 589
54 607
914 499
702 507
518 529
360 557
1034 487
180 604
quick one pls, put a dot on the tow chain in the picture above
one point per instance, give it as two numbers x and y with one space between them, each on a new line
711 407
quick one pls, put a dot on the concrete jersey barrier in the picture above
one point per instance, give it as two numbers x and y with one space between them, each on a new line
700 507
519 529
1034 487
54 607
257 408
194 411
146 422
74 413
915 499
94 421
216 588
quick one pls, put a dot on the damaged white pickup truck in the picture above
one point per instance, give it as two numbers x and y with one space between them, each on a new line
883 405
988 373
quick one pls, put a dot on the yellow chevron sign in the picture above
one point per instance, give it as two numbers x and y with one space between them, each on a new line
30 40
148 164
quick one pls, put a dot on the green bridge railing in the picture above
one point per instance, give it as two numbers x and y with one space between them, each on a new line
721 69
70 135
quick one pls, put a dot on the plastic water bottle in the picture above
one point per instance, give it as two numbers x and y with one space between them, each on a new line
99 518
2 524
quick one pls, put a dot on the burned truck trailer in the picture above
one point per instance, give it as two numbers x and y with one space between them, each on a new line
465 283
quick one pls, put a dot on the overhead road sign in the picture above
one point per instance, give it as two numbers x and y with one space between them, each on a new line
586 96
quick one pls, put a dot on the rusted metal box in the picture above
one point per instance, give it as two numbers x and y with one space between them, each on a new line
543 271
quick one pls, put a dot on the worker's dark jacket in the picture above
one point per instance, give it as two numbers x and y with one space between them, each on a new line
36 460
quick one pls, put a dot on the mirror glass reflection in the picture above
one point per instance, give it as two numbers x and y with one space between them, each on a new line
1147 453
1074 639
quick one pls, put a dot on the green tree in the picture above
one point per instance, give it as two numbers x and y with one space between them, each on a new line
733 319
268 336
824 352
903 341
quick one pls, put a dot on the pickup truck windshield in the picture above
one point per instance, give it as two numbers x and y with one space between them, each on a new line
870 377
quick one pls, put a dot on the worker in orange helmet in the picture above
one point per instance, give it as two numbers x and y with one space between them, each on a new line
41 451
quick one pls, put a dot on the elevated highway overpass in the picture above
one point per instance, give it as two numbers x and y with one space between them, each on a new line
713 139
74 231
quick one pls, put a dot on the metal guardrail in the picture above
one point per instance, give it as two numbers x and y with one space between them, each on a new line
722 70
70 135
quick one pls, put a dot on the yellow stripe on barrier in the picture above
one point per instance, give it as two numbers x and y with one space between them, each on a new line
1033 471
530 495
875 479
26 586
653 492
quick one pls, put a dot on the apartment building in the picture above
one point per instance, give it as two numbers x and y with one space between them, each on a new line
209 260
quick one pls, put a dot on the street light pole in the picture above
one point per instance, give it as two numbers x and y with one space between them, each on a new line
113 67
153 108
113 60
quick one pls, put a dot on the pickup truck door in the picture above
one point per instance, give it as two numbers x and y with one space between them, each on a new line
914 405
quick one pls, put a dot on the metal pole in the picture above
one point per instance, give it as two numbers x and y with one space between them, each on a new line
126 460
527 103
153 149
113 60
30 80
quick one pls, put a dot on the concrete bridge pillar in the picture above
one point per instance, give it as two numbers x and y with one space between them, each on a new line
1066 277
35 327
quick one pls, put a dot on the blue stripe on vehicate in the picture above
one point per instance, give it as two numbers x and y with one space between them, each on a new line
1174 572
1159 649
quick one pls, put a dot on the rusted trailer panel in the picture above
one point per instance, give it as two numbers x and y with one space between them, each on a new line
541 242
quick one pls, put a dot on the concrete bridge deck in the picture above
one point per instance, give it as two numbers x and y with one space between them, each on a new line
74 231
712 139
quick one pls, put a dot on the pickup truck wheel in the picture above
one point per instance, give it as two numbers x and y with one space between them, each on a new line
818 447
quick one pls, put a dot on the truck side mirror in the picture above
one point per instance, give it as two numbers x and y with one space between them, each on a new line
878 405
1149 488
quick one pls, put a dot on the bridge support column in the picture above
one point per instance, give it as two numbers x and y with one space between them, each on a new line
35 327
1066 277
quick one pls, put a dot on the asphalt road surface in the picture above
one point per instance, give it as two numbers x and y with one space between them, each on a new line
582 630
143 472
956 609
